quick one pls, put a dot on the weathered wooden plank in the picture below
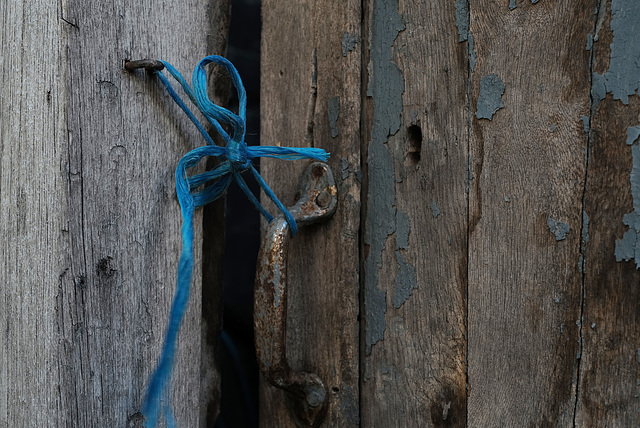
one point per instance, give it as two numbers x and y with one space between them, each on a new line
610 366
90 224
31 189
415 222
528 169
311 97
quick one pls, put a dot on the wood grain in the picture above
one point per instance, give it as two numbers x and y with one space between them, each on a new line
90 222
306 80
415 221
610 366
528 168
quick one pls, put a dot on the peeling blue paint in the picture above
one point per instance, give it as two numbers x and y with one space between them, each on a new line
558 228
579 353
512 4
472 53
638 355
435 211
589 42
585 240
349 41
552 128
633 132
623 77
598 89
464 32
333 109
403 229
462 19
414 117
406 281
585 123
534 1
380 224
386 85
628 247
490 99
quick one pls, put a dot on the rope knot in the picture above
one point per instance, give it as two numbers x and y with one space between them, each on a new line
237 155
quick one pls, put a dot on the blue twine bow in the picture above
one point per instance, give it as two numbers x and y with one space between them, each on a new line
235 158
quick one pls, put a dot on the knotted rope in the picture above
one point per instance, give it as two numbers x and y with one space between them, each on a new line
235 158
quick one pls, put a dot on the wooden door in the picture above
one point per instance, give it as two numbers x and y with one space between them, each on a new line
482 267
90 226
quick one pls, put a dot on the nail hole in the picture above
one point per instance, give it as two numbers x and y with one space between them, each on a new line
414 135
335 389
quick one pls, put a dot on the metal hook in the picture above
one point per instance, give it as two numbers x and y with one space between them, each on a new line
306 393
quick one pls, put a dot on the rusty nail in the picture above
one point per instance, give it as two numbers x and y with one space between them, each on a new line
148 64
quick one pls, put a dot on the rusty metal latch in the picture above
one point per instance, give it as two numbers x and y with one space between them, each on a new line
306 393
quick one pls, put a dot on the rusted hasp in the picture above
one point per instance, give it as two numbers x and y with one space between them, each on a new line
306 394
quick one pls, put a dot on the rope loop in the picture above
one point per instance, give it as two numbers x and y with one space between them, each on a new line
237 155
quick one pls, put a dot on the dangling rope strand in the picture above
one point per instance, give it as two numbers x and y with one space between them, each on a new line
235 158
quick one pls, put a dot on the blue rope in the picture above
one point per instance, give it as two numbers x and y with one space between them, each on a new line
235 158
